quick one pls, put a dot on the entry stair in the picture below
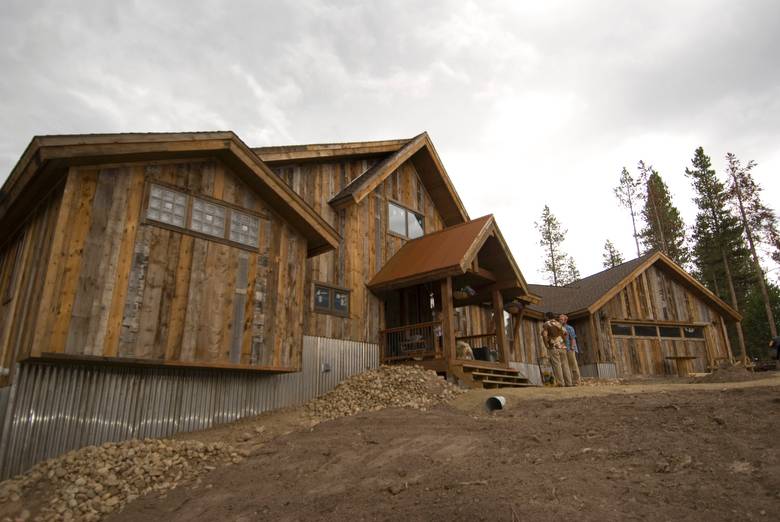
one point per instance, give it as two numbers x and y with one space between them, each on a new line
475 375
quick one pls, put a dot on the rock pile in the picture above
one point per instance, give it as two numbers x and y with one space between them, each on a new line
91 482
385 387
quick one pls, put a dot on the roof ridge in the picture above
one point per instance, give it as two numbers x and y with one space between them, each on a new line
333 144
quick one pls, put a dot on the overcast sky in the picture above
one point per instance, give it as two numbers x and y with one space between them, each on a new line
527 102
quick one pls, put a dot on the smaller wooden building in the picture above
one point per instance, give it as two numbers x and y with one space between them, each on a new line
633 319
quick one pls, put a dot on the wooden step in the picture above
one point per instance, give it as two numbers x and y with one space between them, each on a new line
488 383
504 378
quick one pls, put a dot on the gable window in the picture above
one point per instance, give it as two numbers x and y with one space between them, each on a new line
167 206
175 208
331 300
621 329
645 330
660 331
208 218
244 228
694 332
404 222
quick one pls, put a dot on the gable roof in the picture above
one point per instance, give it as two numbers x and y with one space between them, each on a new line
590 293
421 152
319 151
44 163
447 252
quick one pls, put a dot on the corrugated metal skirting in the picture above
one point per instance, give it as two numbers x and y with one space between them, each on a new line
599 370
55 408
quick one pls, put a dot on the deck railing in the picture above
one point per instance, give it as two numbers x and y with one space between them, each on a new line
412 341
484 346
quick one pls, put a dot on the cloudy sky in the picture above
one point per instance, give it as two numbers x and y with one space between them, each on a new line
527 102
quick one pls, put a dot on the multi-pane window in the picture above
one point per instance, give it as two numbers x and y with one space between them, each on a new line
167 206
244 228
404 222
331 300
170 206
208 218
664 331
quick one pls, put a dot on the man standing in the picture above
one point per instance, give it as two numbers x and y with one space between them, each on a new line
571 348
552 335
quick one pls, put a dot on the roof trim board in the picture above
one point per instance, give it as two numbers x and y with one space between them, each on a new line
47 158
315 151
422 153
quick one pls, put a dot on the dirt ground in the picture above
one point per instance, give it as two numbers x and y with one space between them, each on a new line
646 451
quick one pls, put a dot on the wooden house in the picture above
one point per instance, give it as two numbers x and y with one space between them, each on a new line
639 317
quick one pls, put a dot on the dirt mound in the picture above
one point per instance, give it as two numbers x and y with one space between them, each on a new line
385 387
735 373
91 482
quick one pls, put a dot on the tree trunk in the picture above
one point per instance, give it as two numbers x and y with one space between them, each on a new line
660 230
735 305
633 224
757 266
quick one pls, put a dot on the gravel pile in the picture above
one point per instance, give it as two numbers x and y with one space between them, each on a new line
91 482
385 387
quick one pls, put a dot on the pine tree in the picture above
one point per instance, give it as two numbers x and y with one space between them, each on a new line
629 194
759 223
664 230
559 267
611 256
720 255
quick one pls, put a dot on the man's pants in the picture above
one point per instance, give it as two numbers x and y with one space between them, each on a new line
574 368
560 366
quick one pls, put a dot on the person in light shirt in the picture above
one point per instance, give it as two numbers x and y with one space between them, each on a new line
570 338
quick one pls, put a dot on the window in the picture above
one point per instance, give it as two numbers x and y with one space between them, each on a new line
621 329
645 330
404 222
167 206
331 300
170 207
669 331
693 332
208 218
244 228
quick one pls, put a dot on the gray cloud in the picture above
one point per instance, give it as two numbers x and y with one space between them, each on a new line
515 95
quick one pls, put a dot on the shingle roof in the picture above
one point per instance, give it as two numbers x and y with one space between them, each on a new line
583 293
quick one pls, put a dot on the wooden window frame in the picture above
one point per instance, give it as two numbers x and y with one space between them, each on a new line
330 310
191 195
406 220
658 325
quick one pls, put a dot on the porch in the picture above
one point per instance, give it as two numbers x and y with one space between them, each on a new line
445 298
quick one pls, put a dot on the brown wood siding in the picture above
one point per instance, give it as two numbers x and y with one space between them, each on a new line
365 243
124 287
655 295
23 264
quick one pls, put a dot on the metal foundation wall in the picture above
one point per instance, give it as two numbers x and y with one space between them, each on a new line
54 408
599 370
529 371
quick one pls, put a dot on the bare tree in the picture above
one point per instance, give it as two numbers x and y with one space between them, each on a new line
629 195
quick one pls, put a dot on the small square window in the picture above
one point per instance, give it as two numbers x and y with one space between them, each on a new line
322 298
208 218
244 228
645 330
694 332
669 331
341 302
416 224
167 206
621 329
404 222
396 221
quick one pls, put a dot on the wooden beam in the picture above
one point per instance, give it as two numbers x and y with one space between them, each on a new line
498 316
484 273
517 345
447 320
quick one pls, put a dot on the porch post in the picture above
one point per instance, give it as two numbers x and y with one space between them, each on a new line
498 316
517 345
447 320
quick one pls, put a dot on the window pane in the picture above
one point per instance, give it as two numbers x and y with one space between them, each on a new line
322 298
167 206
416 224
645 330
669 331
208 218
396 219
341 301
694 332
621 329
244 228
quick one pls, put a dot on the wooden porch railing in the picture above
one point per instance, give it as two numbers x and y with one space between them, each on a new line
484 346
412 341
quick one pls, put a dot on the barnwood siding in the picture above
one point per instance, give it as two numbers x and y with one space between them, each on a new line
527 346
365 244
119 286
22 274
654 295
